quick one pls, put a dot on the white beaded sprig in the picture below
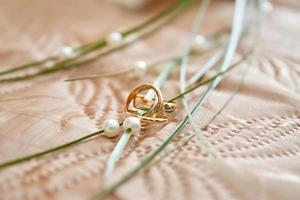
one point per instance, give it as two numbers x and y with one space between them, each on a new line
111 127
200 43
67 52
115 38
49 64
131 125
140 68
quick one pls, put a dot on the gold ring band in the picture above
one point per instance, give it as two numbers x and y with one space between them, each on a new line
149 111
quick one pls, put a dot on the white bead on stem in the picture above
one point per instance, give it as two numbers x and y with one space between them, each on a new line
115 38
140 68
49 64
200 43
111 128
132 123
67 52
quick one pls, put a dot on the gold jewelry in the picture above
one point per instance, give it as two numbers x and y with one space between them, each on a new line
150 111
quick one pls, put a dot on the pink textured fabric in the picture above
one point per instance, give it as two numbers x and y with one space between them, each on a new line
256 138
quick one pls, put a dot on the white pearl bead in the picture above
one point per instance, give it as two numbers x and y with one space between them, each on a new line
200 43
267 6
49 64
111 127
115 38
67 52
140 68
132 123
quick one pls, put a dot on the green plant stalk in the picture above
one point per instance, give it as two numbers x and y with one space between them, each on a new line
215 58
97 76
235 90
197 85
183 68
27 65
42 153
255 39
116 153
175 9
177 146
121 72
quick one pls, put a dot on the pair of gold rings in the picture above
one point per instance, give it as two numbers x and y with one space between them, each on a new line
146 103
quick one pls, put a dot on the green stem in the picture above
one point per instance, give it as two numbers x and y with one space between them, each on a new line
235 90
194 87
66 66
177 146
183 68
116 153
104 75
25 66
178 7
42 153
121 72
215 58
